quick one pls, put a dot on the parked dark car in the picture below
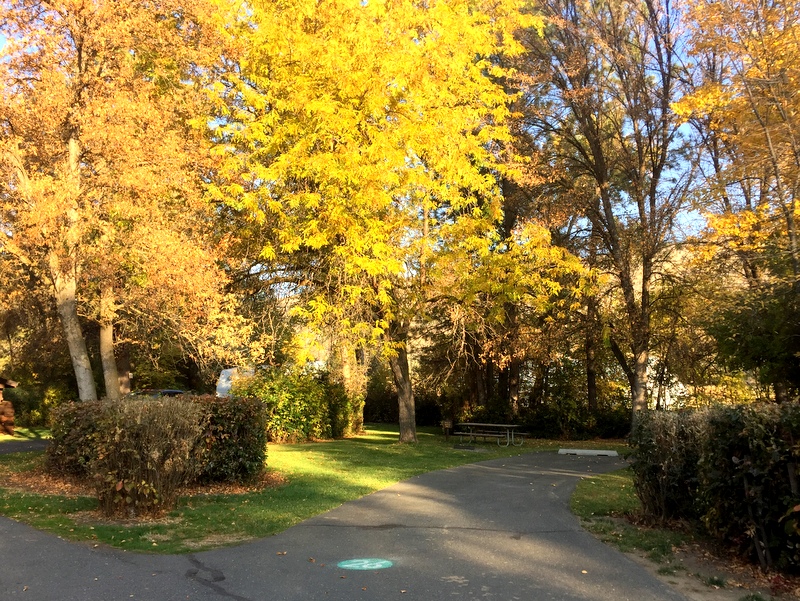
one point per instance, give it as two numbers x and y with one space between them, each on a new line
158 392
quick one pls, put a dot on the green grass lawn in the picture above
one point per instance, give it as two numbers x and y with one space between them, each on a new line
319 477
600 500
25 434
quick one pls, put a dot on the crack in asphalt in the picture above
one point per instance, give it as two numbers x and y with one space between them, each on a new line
215 577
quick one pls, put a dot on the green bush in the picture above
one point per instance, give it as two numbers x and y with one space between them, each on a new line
145 450
554 420
612 422
33 403
569 420
731 469
748 481
341 414
664 462
380 404
235 438
301 405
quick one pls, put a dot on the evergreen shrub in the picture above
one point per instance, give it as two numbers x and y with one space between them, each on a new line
731 469
234 440
302 405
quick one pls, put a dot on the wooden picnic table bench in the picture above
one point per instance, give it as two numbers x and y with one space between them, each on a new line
501 432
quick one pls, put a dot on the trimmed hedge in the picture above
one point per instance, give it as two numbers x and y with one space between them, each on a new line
302 406
145 450
141 450
731 469
666 453
235 438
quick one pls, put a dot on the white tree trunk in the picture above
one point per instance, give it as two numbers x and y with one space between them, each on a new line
110 371
64 287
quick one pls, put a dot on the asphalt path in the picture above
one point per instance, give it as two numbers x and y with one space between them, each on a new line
19 446
498 530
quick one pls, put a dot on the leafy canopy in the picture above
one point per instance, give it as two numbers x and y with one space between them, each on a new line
354 131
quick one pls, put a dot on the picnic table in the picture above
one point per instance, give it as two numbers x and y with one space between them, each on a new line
503 433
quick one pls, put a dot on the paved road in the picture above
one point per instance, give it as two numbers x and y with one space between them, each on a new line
18 446
498 530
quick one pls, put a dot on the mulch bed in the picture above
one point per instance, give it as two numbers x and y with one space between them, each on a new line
41 481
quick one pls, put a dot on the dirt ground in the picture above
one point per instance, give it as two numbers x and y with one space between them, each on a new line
41 481
703 576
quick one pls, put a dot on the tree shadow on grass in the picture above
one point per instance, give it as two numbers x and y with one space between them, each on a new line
26 434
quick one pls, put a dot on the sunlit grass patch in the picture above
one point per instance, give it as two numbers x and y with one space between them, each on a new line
602 502
606 495
26 434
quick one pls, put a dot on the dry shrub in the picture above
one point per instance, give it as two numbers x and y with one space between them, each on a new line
145 450
140 451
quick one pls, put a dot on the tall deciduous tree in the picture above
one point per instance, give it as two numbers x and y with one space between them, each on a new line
101 168
495 301
745 109
601 109
361 134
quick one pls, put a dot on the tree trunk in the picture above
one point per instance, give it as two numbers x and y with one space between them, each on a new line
591 373
590 349
514 369
592 333
494 401
109 361
636 374
661 381
11 362
124 369
64 287
65 284
540 385
402 381
639 388
110 372
479 384
781 392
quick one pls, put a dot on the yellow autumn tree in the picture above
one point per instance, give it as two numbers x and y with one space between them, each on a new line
359 134
746 111
746 105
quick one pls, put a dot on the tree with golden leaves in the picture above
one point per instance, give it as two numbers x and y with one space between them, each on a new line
101 165
361 136
745 109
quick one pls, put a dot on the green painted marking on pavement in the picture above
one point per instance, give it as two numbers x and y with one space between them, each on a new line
371 563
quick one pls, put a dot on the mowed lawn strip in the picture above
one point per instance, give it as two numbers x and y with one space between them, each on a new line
317 477
25 434
602 501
